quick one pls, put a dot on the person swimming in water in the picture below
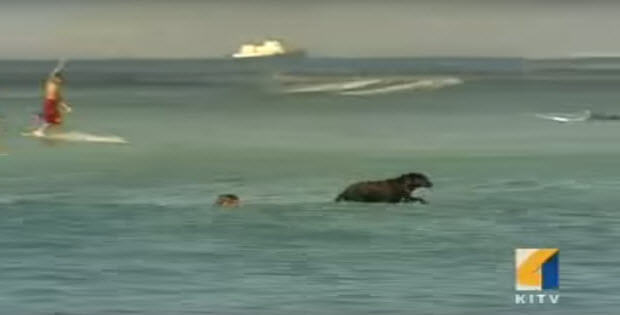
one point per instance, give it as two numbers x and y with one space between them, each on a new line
52 103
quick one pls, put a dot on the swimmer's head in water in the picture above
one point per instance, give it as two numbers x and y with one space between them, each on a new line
227 200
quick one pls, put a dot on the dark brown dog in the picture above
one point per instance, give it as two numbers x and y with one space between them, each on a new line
390 190
227 200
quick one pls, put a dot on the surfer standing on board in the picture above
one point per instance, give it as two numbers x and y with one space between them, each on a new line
52 103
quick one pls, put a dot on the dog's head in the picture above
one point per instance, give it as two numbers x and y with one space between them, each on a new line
227 200
415 180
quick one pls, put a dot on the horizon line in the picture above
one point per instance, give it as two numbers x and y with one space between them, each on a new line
226 58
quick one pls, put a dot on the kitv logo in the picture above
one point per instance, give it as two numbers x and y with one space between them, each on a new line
537 269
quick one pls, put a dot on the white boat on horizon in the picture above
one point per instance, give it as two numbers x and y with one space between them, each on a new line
268 48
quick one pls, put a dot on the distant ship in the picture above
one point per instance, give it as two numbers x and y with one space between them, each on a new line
268 48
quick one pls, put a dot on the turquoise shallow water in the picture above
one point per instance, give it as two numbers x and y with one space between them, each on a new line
98 229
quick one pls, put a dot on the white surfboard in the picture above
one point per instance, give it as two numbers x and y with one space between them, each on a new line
74 136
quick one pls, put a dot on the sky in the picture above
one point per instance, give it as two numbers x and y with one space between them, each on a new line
43 29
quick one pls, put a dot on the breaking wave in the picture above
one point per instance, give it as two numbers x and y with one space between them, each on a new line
364 86
329 87
420 84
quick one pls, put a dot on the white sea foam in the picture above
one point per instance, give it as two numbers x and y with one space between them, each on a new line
565 117
76 136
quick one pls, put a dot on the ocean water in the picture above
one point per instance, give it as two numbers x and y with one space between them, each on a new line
130 229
